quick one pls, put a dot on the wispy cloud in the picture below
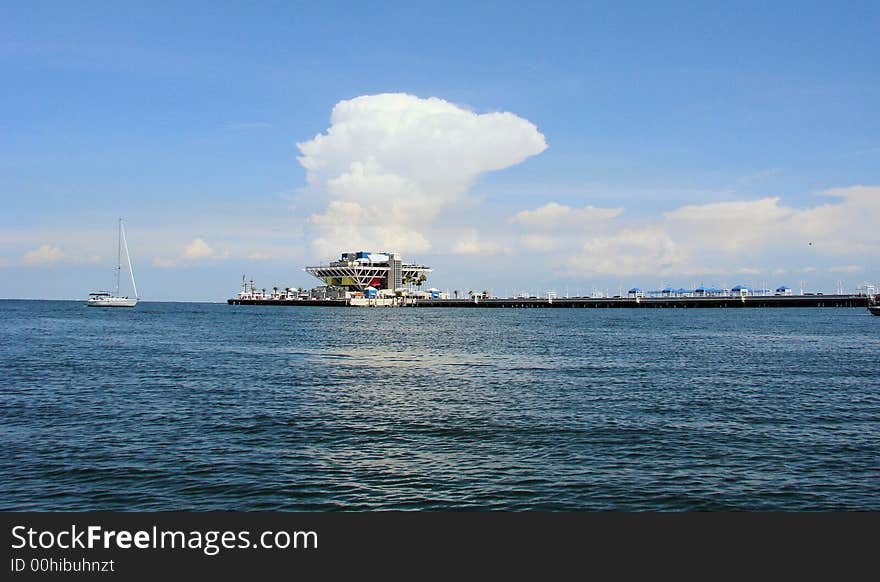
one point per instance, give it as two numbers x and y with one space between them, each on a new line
49 254
470 243
749 271
757 176
195 251
845 269
867 152
44 255
700 238
260 256
554 216
246 125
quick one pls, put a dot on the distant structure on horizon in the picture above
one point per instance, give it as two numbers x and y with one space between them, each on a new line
364 271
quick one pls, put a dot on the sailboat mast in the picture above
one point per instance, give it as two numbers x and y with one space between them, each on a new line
118 256
128 259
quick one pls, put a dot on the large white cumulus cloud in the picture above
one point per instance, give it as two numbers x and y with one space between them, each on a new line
390 163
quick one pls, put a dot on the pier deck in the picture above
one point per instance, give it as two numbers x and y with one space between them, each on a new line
605 303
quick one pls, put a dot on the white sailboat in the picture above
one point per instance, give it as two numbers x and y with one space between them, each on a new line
107 299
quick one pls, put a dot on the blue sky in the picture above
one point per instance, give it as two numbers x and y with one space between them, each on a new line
690 118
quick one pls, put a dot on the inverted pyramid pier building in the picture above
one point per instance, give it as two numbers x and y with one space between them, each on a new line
358 270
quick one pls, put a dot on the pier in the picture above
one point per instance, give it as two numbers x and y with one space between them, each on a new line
368 279
586 302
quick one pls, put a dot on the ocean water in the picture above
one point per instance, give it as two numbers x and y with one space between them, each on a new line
207 406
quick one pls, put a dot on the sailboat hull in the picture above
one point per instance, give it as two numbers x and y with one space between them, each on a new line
112 302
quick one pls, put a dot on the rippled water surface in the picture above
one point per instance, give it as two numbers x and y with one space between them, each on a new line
205 406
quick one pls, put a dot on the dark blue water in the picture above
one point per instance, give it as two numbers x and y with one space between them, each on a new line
201 406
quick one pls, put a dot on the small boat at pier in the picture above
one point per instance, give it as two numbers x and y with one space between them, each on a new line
874 304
